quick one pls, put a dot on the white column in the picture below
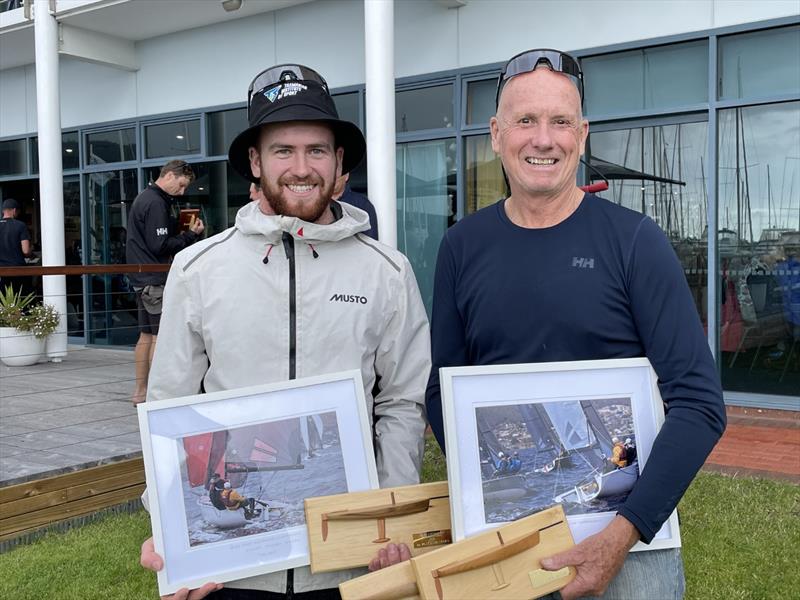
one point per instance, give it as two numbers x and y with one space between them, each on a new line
51 182
379 53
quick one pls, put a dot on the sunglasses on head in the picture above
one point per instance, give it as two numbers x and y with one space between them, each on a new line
282 74
526 62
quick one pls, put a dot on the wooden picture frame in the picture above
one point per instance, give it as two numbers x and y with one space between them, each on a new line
522 437
274 445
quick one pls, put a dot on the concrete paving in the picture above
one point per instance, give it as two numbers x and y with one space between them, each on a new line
61 417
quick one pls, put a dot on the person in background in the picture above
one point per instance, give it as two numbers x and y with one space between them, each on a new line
15 245
153 238
343 193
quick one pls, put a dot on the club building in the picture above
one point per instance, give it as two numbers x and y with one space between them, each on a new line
694 108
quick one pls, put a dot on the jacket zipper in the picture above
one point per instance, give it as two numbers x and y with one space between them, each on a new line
288 246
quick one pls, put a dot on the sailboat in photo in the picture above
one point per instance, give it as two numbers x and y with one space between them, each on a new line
235 456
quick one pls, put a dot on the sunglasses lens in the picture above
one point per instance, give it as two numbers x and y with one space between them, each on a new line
280 73
528 61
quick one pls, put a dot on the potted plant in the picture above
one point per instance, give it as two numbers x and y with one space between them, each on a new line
24 327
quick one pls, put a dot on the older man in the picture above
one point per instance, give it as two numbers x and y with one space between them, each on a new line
270 299
555 274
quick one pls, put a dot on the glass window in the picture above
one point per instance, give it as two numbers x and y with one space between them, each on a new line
111 304
763 63
426 205
172 139
223 126
73 248
347 107
666 181
12 157
650 78
424 108
483 173
118 145
759 247
480 101
69 152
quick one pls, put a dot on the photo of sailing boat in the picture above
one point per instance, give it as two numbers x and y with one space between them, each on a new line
250 480
580 453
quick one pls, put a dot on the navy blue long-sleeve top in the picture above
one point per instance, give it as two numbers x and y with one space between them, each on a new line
604 283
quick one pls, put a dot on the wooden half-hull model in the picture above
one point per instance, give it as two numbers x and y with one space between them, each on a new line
347 530
392 583
502 564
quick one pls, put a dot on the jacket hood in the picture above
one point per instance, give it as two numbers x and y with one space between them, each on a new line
251 221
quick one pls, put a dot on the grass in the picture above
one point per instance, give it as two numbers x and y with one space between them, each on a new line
740 541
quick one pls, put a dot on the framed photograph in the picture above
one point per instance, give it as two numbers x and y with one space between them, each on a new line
227 473
521 438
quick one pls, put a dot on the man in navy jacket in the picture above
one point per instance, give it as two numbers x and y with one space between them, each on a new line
555 274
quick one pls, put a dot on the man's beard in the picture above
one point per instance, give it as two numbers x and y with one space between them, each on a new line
309 211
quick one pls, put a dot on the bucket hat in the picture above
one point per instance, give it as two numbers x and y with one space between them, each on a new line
285 93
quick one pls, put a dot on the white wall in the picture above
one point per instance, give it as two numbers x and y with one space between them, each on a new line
17 101
213 65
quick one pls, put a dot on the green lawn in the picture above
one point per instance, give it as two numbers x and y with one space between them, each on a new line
740 539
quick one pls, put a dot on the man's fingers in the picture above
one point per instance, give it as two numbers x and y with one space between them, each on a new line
384 556
561 560
187 594
148 558
374 564
393 554
181 594
204 591
405 553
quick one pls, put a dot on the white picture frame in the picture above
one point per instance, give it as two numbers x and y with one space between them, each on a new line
258 433
523 411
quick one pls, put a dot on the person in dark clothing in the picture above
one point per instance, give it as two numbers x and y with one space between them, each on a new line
15 245
215 486
343 193
551 273
153 238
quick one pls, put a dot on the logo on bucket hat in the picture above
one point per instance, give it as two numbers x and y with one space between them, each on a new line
287 93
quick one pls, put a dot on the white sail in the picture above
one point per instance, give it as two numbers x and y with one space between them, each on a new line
570 424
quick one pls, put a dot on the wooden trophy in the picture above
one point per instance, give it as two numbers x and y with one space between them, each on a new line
392 583
502 564
347 530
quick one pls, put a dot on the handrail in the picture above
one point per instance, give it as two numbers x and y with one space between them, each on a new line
82 270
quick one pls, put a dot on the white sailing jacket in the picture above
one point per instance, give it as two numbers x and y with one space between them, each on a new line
275 298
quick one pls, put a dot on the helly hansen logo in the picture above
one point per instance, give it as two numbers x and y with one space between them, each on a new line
582 263
348 298
162 231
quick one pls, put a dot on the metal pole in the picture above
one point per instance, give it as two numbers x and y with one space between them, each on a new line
712 215
379 53
51 181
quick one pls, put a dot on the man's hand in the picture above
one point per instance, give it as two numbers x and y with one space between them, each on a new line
149 559
197 227
390 555
597 559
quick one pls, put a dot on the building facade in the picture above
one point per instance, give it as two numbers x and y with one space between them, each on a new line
699 100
